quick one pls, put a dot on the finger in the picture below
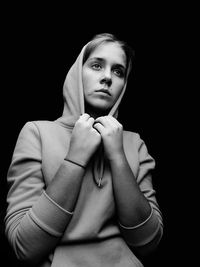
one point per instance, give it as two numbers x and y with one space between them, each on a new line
103 121
99 127
107 122
84 117
114 121
111 118
90 121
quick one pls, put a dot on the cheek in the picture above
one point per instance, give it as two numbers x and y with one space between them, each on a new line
118 88
88 81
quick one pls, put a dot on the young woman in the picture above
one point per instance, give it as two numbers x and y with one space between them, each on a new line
81 190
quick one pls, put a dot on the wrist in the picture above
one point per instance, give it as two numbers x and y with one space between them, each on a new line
77 157
117 157
75 163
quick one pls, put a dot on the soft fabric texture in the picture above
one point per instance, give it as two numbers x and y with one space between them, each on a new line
93 238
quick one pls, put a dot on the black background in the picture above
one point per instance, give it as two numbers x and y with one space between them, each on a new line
39 44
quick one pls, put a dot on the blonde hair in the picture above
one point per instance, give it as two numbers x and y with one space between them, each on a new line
101 38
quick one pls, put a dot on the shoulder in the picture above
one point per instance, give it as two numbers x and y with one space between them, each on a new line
133 140
40 125
37 128
47 132
131 137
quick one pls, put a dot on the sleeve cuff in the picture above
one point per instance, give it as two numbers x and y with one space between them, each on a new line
49 216
138 225
53 202
142 233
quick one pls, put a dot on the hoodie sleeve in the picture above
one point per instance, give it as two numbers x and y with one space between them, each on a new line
30 227
146 236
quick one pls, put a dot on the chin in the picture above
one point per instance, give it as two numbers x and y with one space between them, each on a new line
100 105
102 108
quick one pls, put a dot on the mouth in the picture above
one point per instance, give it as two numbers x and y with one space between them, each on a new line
105 91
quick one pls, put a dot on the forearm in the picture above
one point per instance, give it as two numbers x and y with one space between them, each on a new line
37 220
132 206
48 218
138 221
65 186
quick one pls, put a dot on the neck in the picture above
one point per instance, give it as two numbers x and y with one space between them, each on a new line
95 113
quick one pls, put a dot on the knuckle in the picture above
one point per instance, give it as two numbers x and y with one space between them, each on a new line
107 133
87 125
78 122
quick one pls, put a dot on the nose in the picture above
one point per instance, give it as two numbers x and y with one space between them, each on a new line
106 78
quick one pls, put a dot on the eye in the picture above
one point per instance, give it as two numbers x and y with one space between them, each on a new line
119 72
96 66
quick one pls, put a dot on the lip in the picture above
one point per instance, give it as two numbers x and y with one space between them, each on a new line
102 90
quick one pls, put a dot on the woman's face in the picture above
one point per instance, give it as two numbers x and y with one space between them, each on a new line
104 76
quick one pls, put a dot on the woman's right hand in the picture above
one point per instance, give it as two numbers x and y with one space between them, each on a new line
84 140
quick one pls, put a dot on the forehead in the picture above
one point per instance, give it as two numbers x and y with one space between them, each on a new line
111 52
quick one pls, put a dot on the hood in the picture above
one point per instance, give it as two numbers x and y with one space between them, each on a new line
74 97
74 106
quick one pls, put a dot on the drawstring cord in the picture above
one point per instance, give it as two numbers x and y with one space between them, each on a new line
98 167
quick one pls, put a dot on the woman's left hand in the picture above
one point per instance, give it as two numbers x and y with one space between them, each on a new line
112 135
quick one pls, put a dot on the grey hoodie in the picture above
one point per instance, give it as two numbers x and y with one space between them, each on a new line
93 238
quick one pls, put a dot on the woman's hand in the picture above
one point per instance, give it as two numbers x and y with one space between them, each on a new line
84 140
112 135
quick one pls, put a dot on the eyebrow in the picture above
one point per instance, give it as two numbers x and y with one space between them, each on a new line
103 60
